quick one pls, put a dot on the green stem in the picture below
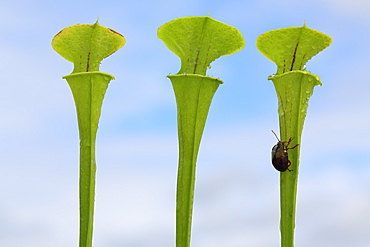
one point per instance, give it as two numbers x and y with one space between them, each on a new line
288 192
86 46
293 90
87 192
88 106
197 41
290 48
194 94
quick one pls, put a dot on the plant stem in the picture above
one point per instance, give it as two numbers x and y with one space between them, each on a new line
293 90
194 94
288 192
290 49
88 90
197 41
86 46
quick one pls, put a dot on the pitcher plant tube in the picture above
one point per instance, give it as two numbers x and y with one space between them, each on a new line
290 48
86 46
197 41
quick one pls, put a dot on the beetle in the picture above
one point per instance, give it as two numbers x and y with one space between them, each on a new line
279 154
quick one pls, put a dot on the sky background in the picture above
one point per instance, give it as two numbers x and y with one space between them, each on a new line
237 189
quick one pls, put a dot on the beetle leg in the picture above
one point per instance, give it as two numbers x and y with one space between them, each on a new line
289 163
292 147
288 142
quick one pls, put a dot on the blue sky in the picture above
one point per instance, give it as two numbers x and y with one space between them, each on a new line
236 200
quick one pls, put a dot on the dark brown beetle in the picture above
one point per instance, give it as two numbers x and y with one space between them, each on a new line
279 154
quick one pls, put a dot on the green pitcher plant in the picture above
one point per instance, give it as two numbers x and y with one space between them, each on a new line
290 49
197 41
86 46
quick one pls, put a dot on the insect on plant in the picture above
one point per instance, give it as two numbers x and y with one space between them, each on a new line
279 154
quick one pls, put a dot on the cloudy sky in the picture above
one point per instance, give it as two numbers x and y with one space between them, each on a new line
237 193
